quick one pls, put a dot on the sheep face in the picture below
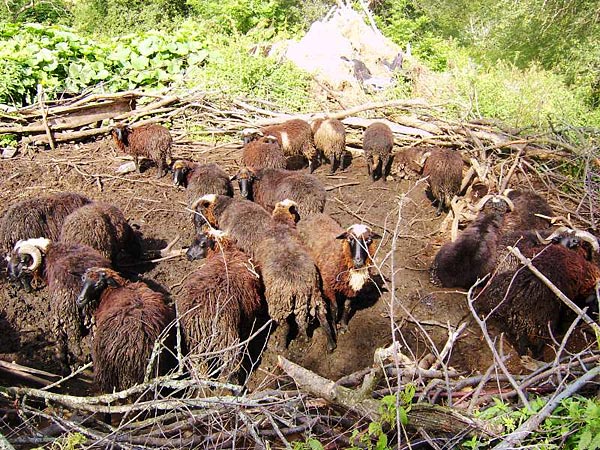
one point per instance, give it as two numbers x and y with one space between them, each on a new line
120 133
200 247
286 211
359 245
245 177
180 172
19 264
250 134
94 281
204 208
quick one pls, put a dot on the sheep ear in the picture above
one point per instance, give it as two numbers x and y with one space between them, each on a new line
344 235
233 177
110 281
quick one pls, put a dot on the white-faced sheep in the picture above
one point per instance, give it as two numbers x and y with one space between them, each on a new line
378 141
103 227
61 266
37 217
150 141
294 136
269 186
201 179
264 152
343 258
443 167
330 140
130 318
219 305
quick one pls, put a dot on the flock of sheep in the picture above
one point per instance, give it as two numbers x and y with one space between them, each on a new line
272 252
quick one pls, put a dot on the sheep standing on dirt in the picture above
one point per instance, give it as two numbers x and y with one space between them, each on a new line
262 153
330 140
37 217
269 186
294 136
525 306
130 318
443 167
343 258
378 141
61 266
103 227
219 305
150 141
473 255
201 179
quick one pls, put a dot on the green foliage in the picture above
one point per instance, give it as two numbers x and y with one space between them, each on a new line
49 11
310 444
72 441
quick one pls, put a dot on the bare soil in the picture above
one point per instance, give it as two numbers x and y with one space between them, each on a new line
419 312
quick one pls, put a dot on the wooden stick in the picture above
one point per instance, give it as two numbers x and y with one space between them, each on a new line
40 92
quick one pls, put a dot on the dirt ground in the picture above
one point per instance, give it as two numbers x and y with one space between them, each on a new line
420 312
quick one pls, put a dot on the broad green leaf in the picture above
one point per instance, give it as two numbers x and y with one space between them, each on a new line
139 62
148 46
314 444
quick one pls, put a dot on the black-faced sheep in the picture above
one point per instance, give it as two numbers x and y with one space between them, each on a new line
129 318
473 254
103 227
61 266
201 179
330 140
219 305
343 258
527 204
264 152
150 141
269 186
244 221
443 167
294 136
378 141
37 217
526 307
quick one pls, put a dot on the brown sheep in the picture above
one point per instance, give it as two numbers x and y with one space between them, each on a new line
525 306
443 167
269 186
408 163
264 152
201 179
103 227
286 212
61 266
130 318
330 140
343 258
378 141
527 204
150 141
37 217
219 305
294 136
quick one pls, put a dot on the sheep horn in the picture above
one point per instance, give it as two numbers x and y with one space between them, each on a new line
556 233
482 202
424 158
588 237
508 201
27 248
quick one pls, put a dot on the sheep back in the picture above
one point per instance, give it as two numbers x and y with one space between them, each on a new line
330 139
527 204
444 168
378 141
264 152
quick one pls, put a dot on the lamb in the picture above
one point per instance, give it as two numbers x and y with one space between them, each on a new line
37 217
201 179
150 141
525 306
130 318
103 227
473 255
219 304
330 140
294 136
443 167
378 141
61 266
264 152
527 205
269 186
343 258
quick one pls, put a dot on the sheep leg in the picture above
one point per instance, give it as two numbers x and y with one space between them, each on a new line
160 170
345 316
327 328
440 208
334 164
385 167
136 161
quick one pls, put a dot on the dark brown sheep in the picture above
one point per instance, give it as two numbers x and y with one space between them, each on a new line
103 227
286 212
443 167
149 141
269 186
201 179
473 255
37 217
130 318
526 205
294 136
408 163
378 141
264 152
330 140
343 258
219 305
244 221
61 266
525 306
